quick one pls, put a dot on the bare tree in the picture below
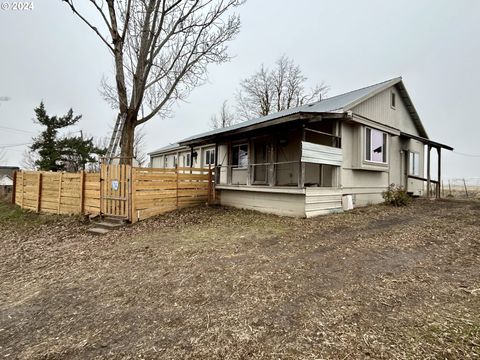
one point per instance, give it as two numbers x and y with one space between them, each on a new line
161 49
29 160
275 90
139 147
224 118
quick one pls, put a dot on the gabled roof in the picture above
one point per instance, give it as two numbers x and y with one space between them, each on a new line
335 104
6 180
8 170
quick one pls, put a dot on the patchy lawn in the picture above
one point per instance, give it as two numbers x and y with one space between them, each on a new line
221 283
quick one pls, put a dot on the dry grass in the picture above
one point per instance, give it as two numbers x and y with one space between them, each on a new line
218 283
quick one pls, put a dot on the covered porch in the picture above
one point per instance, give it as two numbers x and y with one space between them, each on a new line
303 154
433 186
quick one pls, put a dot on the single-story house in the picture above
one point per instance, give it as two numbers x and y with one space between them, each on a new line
6 179
318 158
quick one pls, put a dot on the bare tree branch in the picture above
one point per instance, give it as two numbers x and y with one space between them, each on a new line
275 90
224 118
104 40
161 50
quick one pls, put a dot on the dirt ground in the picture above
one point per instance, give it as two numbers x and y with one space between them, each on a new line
217 283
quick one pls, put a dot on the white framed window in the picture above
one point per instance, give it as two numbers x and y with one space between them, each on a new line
186 160
209 157
240 155
393 100
165 161
413 163
375 146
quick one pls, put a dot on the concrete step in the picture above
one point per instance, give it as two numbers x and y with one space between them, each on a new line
98 231
109 225
114 219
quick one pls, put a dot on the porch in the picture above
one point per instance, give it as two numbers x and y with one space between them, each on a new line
292 170
286 159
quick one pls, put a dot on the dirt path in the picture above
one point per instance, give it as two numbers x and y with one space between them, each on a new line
377 282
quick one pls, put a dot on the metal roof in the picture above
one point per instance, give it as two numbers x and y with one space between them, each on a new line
335 104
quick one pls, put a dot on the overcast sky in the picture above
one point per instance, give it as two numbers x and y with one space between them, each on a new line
48 54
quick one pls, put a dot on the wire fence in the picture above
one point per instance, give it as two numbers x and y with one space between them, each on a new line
461 188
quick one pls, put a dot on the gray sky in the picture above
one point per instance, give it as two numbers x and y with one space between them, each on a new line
48 54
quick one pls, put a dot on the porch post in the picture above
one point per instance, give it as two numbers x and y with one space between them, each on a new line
216 170
250 161
301 168
428 170
191 158
439 178
272 156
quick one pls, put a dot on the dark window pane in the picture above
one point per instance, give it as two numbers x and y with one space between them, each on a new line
368 147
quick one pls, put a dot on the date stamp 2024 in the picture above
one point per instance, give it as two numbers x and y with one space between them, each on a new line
16 6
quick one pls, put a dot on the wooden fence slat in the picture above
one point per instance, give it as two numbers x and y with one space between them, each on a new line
60 192
82 191
14 188
39 192
133 196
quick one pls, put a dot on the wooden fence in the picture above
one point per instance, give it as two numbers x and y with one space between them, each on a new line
155 191
60 193
139 192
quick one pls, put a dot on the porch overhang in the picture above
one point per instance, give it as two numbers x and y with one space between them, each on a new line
426 141
219 134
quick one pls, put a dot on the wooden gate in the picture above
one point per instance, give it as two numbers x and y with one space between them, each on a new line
115 190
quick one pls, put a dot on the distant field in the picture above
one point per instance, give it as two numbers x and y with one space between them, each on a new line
218 283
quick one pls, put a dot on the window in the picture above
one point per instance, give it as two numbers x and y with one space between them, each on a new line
375 146
392 99
414 163
210 157
240 155
186 160
165 161
174 161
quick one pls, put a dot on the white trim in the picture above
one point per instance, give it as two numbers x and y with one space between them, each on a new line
386 147
264 188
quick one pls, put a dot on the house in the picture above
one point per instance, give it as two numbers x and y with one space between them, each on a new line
6 179
175 155
318 158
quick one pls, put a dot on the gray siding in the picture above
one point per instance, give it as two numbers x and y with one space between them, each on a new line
272 203
378 108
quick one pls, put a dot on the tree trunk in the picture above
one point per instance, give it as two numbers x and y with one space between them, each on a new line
128 137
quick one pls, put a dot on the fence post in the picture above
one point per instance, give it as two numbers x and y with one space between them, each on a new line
209 196
14 188
465 185
82 191
133 189
39 191
176 187
23 190
59 192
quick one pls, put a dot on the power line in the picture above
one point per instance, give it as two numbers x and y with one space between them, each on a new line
464 154
19 130
13 145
